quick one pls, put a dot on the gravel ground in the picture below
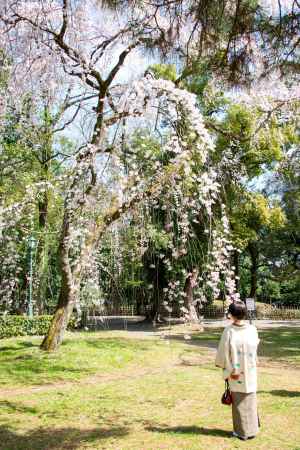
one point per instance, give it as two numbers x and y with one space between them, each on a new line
260 324
136 324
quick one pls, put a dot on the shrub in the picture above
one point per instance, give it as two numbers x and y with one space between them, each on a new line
11 326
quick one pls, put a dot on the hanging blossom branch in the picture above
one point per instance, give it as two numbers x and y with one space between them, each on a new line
181 175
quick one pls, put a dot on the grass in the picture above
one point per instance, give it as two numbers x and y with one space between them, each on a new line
109 390
23 364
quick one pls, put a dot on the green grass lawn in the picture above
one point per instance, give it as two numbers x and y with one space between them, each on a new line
115 390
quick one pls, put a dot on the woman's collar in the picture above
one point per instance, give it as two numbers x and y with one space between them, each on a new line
240 325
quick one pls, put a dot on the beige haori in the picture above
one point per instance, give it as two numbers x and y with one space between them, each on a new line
237 354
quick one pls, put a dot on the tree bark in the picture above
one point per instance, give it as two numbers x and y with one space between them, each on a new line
253 252
67 297
236 263
43 209
72 270
43 270
42 254
60 321
190 284
115 299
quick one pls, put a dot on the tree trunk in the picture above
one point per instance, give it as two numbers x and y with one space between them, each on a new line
67 297
253 251
115 299
58 326
43 270
236 263
70 283
156 316
190 284
42 250
63 312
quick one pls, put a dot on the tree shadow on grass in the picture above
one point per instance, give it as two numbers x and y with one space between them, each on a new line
30 371
55 439
195 341
15 407
282 393
18 346
190 430
280 343
116 344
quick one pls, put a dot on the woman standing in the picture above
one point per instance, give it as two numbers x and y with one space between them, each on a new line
237 355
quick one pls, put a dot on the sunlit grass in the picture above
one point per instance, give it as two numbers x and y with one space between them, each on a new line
111 391
22 362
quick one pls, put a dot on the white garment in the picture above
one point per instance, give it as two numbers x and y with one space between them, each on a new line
237 353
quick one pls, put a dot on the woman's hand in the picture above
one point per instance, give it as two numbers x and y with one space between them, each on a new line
234 375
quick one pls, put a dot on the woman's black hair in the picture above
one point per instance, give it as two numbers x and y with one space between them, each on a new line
238 310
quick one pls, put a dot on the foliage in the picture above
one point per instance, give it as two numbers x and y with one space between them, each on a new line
165 71
12 326
23 326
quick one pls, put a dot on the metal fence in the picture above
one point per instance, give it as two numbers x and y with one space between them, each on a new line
122 310
277 312
263 311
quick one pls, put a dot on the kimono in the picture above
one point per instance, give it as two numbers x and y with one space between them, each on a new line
237 355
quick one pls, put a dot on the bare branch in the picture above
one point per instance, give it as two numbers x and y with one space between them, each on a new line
110 102
119 64
104 44
69 121
65 19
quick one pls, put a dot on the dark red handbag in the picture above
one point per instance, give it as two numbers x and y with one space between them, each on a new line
226 397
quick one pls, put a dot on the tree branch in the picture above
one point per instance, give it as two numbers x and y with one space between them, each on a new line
65 20
68 121
119 64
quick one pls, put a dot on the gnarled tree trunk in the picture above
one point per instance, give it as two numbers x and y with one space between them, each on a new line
69 290
72 270
60 320
190 284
